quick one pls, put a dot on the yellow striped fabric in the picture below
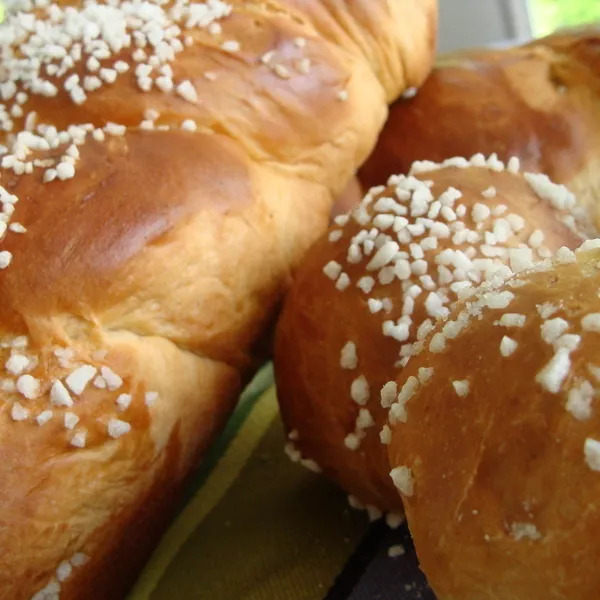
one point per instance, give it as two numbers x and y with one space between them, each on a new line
259 527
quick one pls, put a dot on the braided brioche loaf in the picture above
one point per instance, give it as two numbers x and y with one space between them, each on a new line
539 102
369 291
498 456
164 167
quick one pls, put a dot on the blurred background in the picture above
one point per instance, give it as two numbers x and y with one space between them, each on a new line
465 23
548 15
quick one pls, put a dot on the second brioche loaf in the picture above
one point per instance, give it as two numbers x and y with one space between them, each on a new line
539 102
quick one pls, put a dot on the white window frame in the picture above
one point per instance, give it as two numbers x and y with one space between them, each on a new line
467 23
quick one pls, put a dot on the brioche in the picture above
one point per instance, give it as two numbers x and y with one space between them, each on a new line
164 168
497 459
368 292
348 199
539 102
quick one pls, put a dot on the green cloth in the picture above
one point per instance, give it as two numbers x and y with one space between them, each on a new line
255 526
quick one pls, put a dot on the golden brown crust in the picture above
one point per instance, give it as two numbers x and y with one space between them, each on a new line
183 182
319 319
276 118
539 102
505 486
108 214
146 240
348 199
245 98
400 56
101 488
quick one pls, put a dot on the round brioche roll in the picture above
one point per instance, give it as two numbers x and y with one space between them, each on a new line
370 290
498 458
540 102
